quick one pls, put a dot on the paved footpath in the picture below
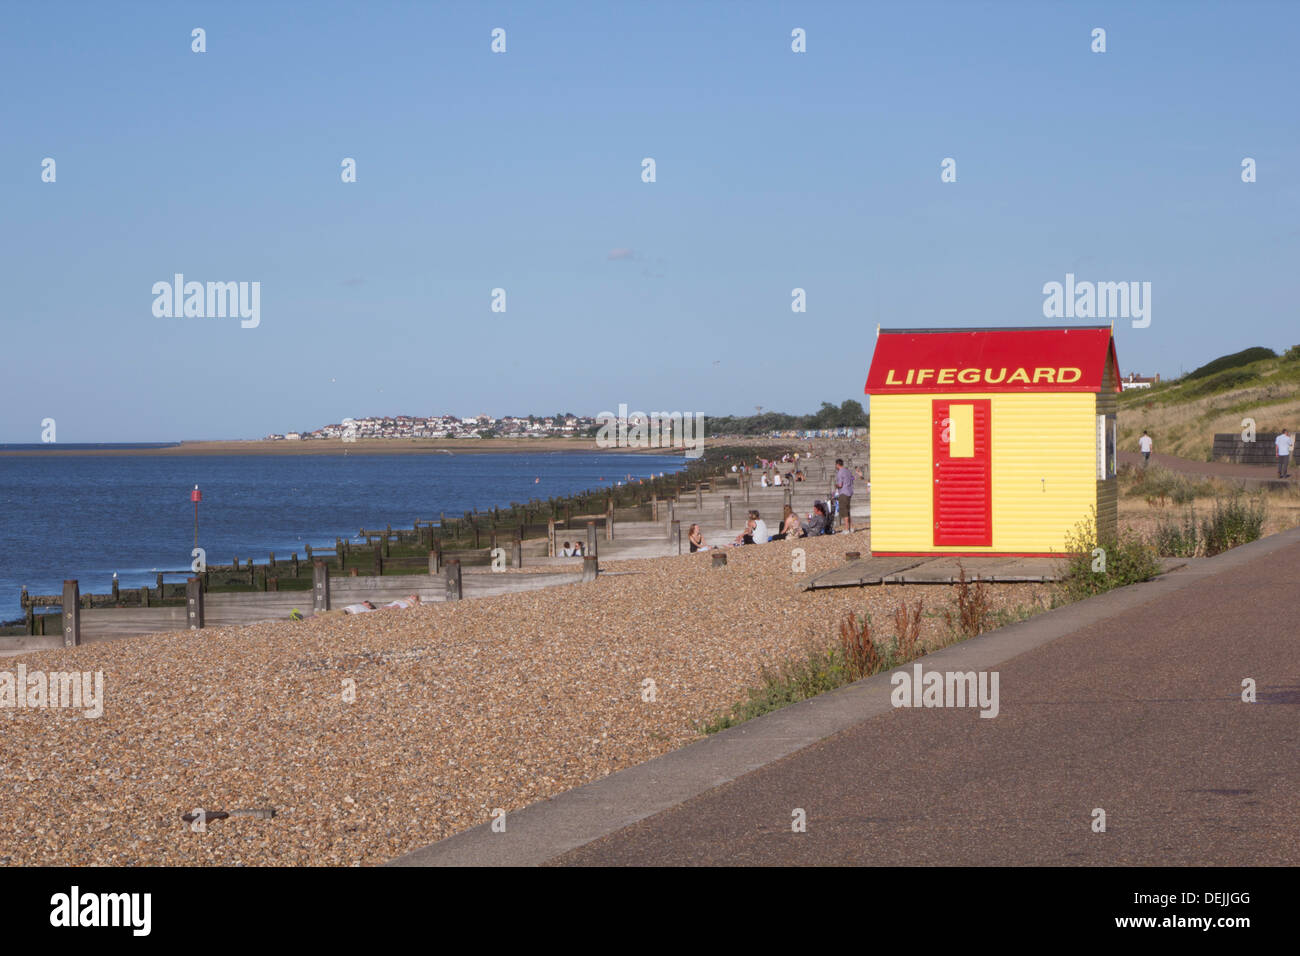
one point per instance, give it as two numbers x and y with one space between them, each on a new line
1130 702
1208 469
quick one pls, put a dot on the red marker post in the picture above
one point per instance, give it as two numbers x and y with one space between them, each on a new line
196 496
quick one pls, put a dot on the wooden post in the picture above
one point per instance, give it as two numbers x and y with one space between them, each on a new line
295 564
699 497
159 582
308 547
789 496
144 595
270 563
435 561
676 535
454 592
726 510
609 519
117 594
40 627
748 481
550 537
194 603
654 506
71 614
590 569
672 516
719 559
320 581
378 559
272 584
30 614
517 558
591 539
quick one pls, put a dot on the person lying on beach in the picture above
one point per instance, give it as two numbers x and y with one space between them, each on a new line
409 601
696 537
362 608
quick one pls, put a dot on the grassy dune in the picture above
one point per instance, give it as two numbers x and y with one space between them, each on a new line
1183 415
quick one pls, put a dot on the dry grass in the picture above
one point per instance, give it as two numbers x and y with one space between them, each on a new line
1187 429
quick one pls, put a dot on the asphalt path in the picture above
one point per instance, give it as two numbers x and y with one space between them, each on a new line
1139 714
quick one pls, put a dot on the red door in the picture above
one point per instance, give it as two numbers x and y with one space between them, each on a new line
963 479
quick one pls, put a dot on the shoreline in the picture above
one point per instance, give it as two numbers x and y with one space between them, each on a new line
336 446
417 446
712 463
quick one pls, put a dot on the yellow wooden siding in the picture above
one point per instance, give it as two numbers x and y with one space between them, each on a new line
1043 470
901 466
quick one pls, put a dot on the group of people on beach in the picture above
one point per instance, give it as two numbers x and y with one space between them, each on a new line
821 520
574 550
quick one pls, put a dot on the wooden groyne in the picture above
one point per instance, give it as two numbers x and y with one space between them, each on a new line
640 519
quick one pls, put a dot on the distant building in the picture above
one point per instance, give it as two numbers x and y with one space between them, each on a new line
1138 381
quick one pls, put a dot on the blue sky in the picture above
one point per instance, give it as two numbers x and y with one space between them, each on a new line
522 171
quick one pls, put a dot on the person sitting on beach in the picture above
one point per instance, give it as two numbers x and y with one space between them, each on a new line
577 549
776 480
746 536
696 537
818 520
764 479
567 551
798 475
755 531
789 526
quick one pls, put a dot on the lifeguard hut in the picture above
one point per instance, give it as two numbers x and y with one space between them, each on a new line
991 441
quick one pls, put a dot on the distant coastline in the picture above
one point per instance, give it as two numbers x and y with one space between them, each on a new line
327 446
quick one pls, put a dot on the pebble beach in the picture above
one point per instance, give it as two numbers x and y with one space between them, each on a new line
370 736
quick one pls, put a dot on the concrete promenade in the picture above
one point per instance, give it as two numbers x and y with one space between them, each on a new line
1129 703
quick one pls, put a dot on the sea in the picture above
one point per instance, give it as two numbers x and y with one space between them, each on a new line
89 516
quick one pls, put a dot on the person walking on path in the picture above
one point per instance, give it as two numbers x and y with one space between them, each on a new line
1284 443
1144 443
844 493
